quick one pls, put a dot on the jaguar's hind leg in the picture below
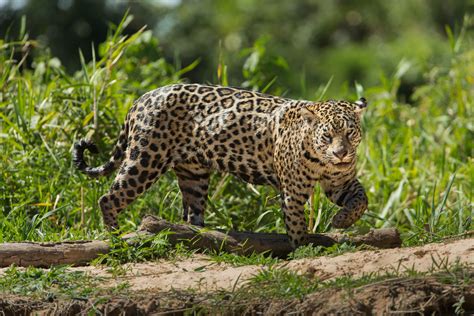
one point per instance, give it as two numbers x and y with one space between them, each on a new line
134 178
193 181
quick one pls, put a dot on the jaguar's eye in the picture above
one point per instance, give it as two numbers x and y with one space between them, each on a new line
327 138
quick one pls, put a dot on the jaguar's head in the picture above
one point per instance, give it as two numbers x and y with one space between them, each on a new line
336 132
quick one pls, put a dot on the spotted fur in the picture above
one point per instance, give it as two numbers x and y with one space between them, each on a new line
262 139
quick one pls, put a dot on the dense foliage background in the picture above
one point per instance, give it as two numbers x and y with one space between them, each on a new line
305 43
70 69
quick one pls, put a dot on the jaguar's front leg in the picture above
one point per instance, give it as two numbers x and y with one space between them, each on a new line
293 201
349 195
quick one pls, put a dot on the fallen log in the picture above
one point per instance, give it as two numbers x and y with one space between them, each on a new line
82 252
248 242
46 254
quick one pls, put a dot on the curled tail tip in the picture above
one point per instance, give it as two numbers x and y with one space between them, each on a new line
83 144
78 153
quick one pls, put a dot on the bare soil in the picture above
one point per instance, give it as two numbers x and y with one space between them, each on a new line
184 286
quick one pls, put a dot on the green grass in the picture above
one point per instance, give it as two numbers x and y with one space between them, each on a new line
283 283
138 249
310 251
57 282
239 260
416 159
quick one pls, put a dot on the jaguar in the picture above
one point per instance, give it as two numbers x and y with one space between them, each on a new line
194 129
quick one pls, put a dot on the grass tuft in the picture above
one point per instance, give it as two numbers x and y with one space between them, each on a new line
311 251
239 260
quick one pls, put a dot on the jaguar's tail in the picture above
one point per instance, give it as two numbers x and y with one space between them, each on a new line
107 168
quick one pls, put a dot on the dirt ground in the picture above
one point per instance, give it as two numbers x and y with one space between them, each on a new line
183 286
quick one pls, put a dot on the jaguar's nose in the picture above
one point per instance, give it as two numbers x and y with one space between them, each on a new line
340 153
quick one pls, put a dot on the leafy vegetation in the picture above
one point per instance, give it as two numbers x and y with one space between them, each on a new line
415 159
341 41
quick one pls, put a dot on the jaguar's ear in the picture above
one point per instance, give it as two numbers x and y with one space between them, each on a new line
360 105
309 113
